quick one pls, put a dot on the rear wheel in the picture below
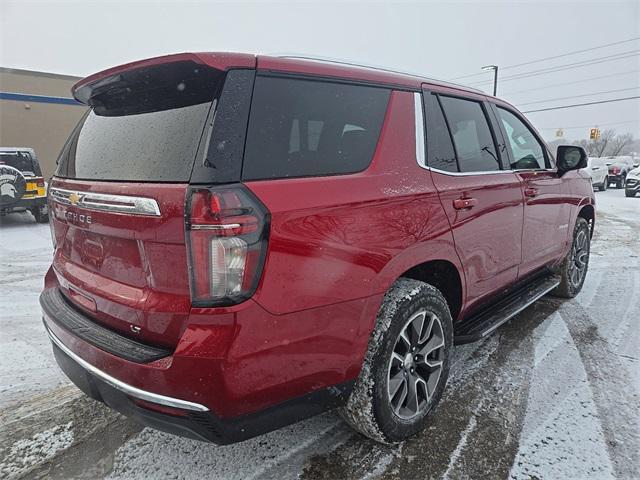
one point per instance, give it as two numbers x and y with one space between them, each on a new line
574 267
627 193
604 185
40 214
622 182
406 366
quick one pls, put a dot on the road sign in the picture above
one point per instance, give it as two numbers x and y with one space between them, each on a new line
559 133
594 134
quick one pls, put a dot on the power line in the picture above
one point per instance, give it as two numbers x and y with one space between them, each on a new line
581 104
578 96
554 57
591 125
569 66
572 83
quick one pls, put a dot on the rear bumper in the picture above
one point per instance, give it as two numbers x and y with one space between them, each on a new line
189 419
25 204
180 393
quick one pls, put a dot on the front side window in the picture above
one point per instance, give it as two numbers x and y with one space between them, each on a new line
303 128
526 151
471 135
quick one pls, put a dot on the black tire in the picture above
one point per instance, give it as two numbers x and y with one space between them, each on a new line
629 194
622 182
603 186
370 409
577 258
40 214
12 185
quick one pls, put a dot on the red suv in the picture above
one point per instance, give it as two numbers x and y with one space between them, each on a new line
242 242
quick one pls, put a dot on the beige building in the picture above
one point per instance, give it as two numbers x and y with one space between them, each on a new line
37 111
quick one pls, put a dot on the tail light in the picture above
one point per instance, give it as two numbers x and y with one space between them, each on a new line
40 182
227 233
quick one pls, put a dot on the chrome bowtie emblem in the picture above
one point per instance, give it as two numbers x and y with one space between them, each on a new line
74 198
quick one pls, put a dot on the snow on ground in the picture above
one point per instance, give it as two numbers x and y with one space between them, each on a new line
554 394
27 366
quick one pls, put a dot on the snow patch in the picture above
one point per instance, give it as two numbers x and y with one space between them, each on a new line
36 450
471 426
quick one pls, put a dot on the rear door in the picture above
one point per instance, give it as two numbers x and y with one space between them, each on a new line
482 200
118 196
547 209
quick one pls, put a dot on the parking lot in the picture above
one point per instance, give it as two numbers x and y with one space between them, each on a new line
554 394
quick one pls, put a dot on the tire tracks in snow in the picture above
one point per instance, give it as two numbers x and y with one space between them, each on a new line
618 415
473 433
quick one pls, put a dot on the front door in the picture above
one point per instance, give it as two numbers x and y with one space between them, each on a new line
546 209
483 201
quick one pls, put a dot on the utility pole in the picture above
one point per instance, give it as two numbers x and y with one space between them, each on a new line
495 76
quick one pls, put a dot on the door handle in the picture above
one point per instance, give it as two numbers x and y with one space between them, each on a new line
464 203
530 192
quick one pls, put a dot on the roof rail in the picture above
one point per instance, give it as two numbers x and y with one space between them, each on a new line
375 67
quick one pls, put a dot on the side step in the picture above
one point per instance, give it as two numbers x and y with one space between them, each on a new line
486 321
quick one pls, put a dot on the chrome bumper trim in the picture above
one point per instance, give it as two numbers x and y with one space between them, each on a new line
125 387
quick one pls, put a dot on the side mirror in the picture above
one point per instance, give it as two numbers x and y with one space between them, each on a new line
570 157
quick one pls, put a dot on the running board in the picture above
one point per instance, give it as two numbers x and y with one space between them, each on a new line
486 321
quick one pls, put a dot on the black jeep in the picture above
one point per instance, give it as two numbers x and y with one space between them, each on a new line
22 186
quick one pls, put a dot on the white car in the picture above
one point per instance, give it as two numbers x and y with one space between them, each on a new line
599 173
633 183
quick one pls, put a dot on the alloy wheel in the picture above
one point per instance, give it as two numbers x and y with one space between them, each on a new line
416 365
580 259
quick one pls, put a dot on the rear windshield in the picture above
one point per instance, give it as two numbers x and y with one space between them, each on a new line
144 125
21 161
303 128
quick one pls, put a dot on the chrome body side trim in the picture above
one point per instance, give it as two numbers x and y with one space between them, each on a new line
125 387
105 202
419 121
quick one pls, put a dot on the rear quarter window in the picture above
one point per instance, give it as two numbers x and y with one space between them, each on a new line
300 128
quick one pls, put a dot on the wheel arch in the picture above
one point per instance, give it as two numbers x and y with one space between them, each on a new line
443 275
588 212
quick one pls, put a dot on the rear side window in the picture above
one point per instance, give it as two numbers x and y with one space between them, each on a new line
303 128
144 125
471 135
440 152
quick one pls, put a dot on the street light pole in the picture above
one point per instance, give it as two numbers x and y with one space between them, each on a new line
495 76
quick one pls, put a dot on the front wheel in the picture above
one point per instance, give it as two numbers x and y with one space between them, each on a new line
627 193
574 267
406 366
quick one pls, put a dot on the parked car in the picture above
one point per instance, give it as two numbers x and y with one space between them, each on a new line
22 186
322 243
598 172
619 168
633 183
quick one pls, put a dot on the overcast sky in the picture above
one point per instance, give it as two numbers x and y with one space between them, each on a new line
437 39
